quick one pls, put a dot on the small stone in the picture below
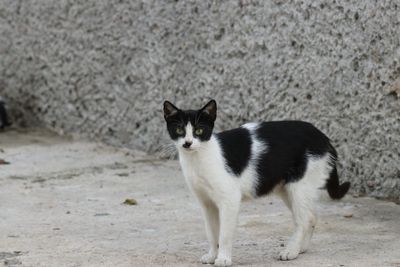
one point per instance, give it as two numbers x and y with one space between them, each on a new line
13 236
11 262
348 215
102 214
3 162
130 201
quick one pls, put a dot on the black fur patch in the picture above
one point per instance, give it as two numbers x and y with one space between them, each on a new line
288 144
236 148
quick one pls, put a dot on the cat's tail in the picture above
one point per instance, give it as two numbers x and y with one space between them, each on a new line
335 189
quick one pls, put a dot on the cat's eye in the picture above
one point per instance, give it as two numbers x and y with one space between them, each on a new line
198 131
179 130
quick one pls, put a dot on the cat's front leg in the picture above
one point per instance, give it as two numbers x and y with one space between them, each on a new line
228 211
211 219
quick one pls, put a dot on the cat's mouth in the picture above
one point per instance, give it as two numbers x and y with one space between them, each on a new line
188 149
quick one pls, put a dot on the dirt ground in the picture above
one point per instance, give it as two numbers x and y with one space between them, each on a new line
61 205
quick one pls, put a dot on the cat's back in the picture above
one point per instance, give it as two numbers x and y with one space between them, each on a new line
275 134
276 150
290 145
277 139
292 134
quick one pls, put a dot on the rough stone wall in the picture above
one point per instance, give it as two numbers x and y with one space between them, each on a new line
102 69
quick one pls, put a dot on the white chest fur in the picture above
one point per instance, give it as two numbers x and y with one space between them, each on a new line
206 173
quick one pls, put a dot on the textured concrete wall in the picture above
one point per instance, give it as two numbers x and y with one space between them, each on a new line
101 69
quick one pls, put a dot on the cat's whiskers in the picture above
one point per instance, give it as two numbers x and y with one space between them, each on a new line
167 151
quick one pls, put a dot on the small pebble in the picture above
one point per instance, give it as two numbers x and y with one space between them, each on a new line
130 201
3 162
102 214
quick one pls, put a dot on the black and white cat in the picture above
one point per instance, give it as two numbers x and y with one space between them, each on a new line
291 158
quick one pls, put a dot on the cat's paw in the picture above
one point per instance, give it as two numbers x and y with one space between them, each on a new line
208 258
223 262
289 254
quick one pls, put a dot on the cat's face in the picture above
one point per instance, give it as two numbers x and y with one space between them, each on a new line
189 129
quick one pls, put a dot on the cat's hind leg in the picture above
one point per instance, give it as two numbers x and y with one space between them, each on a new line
300 197
300 201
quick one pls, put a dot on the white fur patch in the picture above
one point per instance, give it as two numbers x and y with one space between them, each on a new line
251 126
189 133
249 178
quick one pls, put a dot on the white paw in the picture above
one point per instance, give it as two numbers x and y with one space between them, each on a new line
288 254
208 258
223 262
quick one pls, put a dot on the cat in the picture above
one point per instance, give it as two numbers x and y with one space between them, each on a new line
4 122
290 158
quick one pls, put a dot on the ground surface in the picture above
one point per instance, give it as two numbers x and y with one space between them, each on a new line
61 205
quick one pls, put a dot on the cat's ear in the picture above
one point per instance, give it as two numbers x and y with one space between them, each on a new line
169 109
210 109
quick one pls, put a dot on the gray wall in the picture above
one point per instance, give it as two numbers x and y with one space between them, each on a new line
101 69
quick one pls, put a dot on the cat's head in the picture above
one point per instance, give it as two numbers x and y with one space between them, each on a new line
190 129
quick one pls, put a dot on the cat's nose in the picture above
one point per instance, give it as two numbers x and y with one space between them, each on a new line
187 144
